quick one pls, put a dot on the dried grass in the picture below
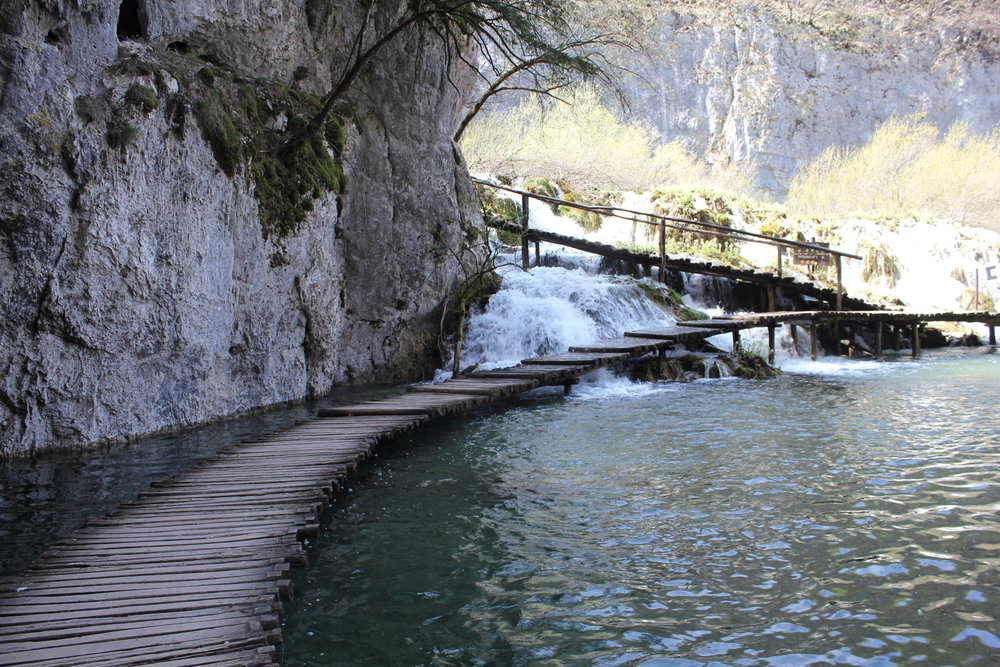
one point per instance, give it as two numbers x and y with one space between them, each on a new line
908 167
583 144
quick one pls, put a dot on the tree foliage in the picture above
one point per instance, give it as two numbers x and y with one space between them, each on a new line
526 45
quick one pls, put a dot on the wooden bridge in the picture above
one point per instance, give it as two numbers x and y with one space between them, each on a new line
195 570
771 281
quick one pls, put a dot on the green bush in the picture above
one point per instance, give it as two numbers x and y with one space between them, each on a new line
142 97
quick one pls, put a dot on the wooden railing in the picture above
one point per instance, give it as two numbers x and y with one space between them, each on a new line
664 222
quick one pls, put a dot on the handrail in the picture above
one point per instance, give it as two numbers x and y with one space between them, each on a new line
726 231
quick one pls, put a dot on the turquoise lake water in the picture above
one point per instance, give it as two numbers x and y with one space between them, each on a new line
841 513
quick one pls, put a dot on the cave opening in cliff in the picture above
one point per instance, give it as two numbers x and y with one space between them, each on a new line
131 20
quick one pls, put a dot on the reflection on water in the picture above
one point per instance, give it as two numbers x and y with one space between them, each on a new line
824 518
46 499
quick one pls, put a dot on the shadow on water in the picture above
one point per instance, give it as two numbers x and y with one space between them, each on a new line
46 498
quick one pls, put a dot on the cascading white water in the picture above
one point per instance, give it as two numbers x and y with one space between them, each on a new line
548 309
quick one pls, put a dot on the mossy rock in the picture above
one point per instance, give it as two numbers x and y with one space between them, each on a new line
656 369
120 136
588 220
218 130
544 187
691 362
288 182
143 98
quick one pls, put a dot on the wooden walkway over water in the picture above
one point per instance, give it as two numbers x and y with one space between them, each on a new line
195 570
768 280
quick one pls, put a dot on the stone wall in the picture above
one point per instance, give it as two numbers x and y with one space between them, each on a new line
755 89
138 289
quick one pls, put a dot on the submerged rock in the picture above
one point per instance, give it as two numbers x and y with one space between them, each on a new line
687 367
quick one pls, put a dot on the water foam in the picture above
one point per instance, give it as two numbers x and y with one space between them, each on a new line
548 309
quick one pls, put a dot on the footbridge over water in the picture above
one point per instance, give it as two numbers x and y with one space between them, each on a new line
195 570
771 282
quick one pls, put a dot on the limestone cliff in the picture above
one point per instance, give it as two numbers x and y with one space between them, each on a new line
146 280
764 90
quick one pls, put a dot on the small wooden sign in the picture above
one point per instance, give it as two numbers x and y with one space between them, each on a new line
811 257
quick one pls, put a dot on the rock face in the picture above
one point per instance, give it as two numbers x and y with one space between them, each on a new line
759 90
138 288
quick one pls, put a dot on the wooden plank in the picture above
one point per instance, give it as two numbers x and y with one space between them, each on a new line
178 636
633 345
68 576
493 387
544 374
70 628
410 403
676 333
56 609
576 359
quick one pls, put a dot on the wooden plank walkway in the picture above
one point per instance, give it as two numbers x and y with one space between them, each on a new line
687 265
194 571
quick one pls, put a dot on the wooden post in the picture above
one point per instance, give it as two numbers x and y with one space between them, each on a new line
770 344
878 339
840 285
793 331
895 338
993 335
736 340
663 251
813 341
772 298
647 270
538 253
781 252
975 298
915 341
524 230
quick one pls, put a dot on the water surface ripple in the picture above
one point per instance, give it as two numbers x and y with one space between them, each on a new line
805 519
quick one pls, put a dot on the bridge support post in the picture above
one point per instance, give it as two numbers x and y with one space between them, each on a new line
770 344
663 252
538 253
793 331
736 341
878 339
525 213
840 285
772 298
993 335
895 338
915 341
813 341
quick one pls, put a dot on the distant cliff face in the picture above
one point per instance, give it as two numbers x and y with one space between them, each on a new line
139 289
758 90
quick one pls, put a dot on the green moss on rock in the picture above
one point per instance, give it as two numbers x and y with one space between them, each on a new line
218 130
143 98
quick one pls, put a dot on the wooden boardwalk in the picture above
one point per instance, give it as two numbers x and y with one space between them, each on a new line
194 571
766 279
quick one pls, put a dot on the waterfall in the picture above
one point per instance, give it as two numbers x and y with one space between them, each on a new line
548 309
